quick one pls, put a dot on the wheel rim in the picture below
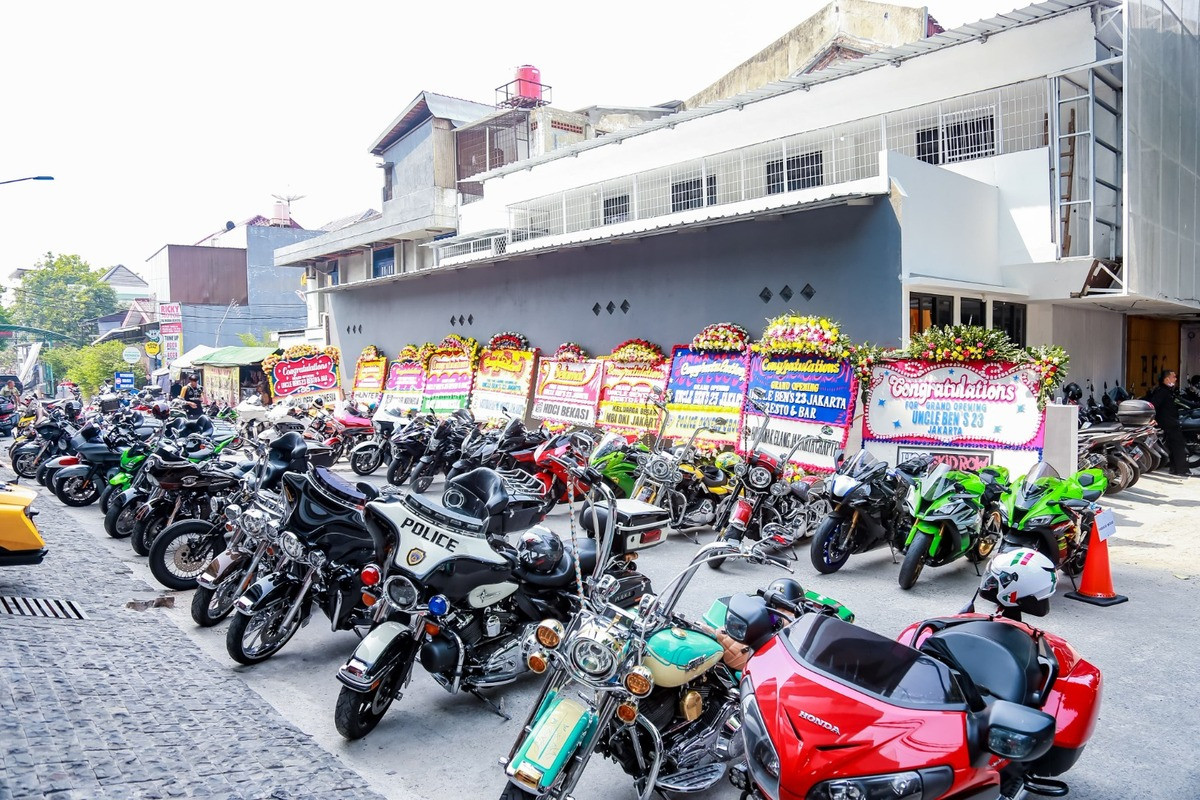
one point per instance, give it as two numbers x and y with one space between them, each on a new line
837 545
72 487
187 556
263 634
224 596
125 521
22 463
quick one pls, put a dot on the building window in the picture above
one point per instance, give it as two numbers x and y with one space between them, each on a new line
333 272
958 137
616 209
927 311
803 172
1010 318
970 311
689 194
383 262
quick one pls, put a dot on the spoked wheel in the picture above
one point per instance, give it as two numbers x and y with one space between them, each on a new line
78 492
181 552
358 713
365 460
253 638
210 606
914 560
830 547
400 469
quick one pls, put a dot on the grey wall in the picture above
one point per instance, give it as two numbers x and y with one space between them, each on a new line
413 160
675 284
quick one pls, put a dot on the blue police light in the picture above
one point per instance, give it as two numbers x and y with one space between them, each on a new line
438 605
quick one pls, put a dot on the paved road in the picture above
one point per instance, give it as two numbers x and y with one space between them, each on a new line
433 745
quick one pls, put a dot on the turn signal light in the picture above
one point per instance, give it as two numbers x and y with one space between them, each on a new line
432 629
627 712
538 662
368 599
550 633
639 681
370 575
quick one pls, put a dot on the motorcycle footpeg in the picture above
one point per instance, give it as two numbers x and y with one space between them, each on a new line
692 780
1046 787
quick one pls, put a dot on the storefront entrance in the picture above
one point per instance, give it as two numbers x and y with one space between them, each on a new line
1151 345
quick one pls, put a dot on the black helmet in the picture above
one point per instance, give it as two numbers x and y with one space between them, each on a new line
539 550
786 588
1073 392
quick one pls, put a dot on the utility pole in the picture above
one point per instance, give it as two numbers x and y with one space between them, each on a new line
217 338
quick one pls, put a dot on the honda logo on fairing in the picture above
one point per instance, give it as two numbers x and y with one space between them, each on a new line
815 720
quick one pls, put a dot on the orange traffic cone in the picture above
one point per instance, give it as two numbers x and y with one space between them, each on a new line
1096 587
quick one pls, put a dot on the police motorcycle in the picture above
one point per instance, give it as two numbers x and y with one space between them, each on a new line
647 688
367 456
463 601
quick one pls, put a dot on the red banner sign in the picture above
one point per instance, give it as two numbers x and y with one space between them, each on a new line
304 375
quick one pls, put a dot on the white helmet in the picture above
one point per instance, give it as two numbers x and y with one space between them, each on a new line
1021 578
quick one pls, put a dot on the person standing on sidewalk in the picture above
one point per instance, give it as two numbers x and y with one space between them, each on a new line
1166 414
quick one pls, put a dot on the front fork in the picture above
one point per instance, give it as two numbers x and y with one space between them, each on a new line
295 609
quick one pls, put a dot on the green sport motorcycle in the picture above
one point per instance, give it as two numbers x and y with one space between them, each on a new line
956 514
618 460
646 688
1053 515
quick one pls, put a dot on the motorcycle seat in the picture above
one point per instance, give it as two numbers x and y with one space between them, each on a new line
1102 427
563 572
1000 658
712 477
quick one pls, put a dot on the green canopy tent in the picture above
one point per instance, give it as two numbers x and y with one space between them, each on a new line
230 373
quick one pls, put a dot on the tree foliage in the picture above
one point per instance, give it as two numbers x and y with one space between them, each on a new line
61 294
250 340
92 365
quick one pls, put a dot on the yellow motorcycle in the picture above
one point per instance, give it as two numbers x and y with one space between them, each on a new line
20 542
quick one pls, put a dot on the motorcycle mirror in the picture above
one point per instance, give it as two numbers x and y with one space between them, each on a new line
839 459
757 393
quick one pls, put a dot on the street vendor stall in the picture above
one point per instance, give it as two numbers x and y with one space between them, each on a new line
233 373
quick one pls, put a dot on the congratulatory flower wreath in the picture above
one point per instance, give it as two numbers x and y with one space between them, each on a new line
569 351
793 334
416 354
721 337
508 340
370 353
638 351
457 345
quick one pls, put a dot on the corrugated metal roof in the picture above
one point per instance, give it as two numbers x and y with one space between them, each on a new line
970 32
425 105
235 356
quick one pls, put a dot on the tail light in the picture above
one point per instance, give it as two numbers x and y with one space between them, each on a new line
649 537
369 575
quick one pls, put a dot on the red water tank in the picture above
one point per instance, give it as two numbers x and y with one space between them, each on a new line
529 82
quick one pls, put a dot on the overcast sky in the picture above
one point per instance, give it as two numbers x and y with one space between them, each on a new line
160 120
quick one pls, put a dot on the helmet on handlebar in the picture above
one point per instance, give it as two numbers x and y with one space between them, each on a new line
1023 579
539 550
727 461
787 588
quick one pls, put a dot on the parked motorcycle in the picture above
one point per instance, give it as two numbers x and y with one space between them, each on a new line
646 688
367 455
100 459
408 444
53 438
1052 515
442 449
618 458
968 706
955 514
868 509
463 601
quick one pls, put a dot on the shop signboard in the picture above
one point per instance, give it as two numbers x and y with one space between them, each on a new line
123 381
447 383
170 330
706 390
810 401
968 408
405 386
503 382
568 391
221 385
627 395
306 376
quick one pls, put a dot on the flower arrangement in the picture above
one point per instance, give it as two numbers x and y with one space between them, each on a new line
269 363
638 351
508 340
333 353
416 354
721 337
457 345
864 357
793 334
1050 363
299 351
569 351
369 353
963 343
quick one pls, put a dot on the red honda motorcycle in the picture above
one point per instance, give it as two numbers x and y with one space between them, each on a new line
341 430
971 707
541 470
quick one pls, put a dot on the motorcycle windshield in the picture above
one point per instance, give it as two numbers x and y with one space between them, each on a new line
859 465
872 664
1032 487
937 483
611 443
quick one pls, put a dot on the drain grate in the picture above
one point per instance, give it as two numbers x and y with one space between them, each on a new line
41 607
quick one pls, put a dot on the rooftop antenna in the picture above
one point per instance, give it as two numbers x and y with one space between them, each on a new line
288 198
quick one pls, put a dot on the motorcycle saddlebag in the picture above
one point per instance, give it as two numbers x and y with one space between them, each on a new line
1135 413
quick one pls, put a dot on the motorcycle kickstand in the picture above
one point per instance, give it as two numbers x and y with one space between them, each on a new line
497 708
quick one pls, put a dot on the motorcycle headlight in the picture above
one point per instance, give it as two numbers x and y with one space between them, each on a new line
401 593
739 470
592 658
762 758
915 785
659 468
232 512
317 558
292 546
780 488
736 627
758 478
1039 521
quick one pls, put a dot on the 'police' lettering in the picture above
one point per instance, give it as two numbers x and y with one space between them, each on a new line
430 534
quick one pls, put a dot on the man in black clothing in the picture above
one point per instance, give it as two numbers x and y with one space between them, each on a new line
1162 397
193 395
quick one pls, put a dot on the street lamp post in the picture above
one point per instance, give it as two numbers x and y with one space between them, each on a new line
31 178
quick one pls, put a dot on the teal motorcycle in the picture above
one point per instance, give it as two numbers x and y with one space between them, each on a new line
646 688
956 514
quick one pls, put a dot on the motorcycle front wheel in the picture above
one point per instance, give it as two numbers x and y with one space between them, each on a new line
210 606
119 519
106 496
400 469
358 713
914 560
512 792
830 549
145 530
26 464
181 552
253 638
77 492
364 460
422 478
